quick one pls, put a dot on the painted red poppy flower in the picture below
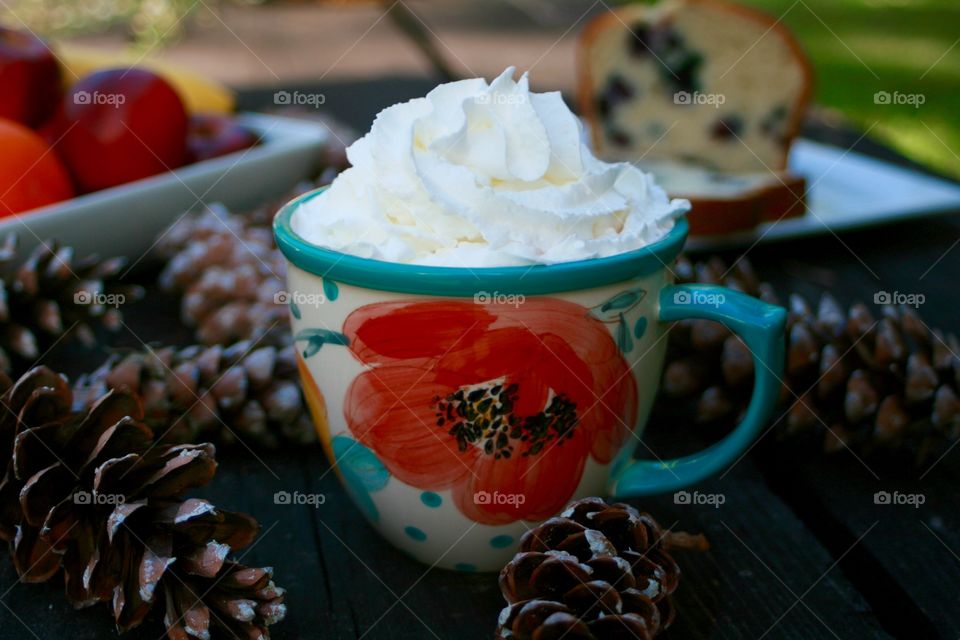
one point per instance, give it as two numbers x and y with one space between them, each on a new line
501 403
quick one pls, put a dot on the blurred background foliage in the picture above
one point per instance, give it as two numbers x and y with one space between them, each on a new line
147 22
858 47
861 47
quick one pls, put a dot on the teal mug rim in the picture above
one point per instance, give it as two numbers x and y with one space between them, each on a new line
463 281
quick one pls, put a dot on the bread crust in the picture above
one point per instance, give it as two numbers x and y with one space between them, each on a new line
784 198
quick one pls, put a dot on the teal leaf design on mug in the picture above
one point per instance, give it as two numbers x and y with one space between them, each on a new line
330 289
316 338
640 327
295 309
362 473
613 308
623 300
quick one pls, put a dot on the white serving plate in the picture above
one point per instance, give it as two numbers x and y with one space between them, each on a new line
846 190
127 219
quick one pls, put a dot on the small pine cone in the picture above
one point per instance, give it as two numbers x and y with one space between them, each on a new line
217 393
596 572
52 292
92 493
228 272
226 266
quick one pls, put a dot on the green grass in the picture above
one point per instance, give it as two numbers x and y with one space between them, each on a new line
860 47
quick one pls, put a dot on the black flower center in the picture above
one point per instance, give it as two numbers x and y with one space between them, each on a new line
483 417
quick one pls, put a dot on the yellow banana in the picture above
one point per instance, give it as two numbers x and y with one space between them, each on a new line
199 94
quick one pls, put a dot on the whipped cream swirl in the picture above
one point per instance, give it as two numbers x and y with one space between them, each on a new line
479 174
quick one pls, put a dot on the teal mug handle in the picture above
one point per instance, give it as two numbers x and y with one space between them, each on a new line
761 327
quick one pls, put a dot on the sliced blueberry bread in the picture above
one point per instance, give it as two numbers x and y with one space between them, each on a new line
702 81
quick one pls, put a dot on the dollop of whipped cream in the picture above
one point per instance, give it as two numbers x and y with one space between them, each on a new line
477 175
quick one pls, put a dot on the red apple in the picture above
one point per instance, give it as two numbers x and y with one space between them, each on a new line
53 127
121 125
213 134
29 78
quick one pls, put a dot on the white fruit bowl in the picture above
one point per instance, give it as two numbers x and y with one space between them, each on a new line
126 220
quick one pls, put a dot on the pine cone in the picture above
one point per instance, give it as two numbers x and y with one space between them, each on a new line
199 393
228 271
93 493
871 384
739 277
50 293
227 267
596 572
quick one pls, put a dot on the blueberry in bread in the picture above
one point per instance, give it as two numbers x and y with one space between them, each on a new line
708 82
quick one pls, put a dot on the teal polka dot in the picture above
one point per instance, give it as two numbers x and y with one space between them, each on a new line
501 542
640 327
362 472
415 534
431 499
465 566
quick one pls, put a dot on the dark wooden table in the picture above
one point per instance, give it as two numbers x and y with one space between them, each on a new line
799 548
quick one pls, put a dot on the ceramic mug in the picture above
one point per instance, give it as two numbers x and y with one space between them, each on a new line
459 406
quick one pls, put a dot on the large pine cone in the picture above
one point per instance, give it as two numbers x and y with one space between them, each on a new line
221 393
51 293
93 493
852 380
597 572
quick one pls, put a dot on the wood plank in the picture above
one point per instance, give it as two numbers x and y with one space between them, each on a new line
765 575
908 563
